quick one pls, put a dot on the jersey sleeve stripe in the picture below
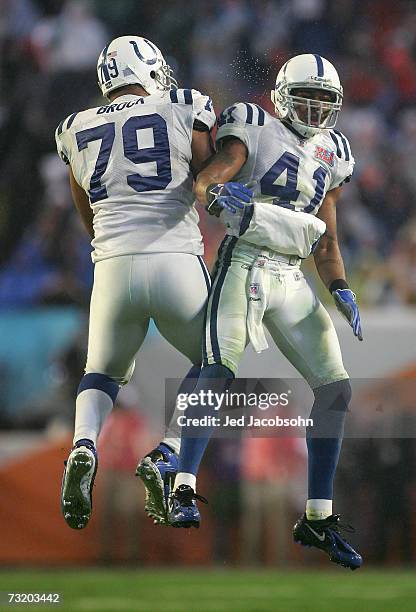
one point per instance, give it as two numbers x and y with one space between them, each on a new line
335 139
344 144
187 94
249 118
71 120
60 127
173 95
261 115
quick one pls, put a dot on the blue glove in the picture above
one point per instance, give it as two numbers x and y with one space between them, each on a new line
228 196
346 304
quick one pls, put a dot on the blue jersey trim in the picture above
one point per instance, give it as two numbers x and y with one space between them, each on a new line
71 120
247 217
344 144
335 139
60 127
187 94
173 95
262 115
249 118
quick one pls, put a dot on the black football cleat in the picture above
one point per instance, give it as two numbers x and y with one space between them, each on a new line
325 534
183 509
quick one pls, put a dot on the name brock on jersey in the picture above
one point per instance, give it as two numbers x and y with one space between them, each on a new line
133 158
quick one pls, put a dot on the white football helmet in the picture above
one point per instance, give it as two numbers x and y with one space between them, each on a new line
302 72
132 60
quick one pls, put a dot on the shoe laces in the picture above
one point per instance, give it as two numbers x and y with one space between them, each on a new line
335 525
186 495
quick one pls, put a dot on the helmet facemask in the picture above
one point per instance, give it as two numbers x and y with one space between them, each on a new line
313 112
307 114
164 78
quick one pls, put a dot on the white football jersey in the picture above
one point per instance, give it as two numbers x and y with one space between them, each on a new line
132 157
290 171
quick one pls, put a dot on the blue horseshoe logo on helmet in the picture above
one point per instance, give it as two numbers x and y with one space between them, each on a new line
140 56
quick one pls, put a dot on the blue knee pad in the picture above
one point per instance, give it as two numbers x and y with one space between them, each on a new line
102 382
330 409
190 380
217 370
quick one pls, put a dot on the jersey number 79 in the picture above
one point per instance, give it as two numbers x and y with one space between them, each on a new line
159 153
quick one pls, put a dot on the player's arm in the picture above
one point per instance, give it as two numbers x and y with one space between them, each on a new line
222 167
330 265
82 204
202 149
328 258
213 186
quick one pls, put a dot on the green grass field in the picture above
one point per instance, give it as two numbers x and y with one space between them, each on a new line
209 590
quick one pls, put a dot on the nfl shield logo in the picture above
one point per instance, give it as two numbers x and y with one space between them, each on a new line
254 292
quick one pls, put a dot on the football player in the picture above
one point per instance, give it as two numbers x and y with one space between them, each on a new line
300 163
131 168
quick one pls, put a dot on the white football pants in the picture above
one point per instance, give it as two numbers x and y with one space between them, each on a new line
170 288
283 301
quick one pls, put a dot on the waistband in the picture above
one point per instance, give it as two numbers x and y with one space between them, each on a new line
256 252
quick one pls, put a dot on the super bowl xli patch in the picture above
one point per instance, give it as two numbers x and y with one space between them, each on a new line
325 155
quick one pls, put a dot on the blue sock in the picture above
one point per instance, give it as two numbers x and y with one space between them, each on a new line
190 381
215 378
324 439
172 438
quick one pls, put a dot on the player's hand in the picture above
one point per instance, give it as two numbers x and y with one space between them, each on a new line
347 305
228 196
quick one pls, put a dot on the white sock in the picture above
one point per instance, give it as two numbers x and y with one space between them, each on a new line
318 509
92 408
184 478
173 433
174 443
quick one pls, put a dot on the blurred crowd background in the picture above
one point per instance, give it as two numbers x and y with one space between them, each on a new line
231 50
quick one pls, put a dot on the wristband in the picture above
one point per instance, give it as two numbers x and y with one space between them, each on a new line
338 283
